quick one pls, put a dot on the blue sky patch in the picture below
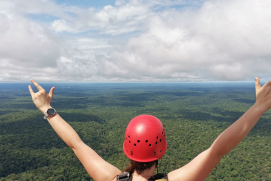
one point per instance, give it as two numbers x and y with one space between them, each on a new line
86 3
42 18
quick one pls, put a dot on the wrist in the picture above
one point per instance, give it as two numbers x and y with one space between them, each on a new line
45 108
259 108
51 112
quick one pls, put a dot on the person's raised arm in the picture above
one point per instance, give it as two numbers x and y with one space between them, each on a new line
201 166
97 168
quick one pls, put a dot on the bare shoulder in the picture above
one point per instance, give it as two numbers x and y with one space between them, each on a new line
197 169
179 174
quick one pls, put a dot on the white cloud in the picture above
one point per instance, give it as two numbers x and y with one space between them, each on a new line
136 40
123 18
28 43
223 40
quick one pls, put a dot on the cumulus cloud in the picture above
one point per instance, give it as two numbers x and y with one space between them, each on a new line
222 40
31 50
27 42
124 17
136 40
113 20
25 46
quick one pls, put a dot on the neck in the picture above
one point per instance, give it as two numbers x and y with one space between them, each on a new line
146 174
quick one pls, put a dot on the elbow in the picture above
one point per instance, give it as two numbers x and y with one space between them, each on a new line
217 153
76 144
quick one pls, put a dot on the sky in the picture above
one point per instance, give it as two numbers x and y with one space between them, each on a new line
135 40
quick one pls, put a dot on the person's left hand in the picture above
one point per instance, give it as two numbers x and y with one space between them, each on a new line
41 99
263 95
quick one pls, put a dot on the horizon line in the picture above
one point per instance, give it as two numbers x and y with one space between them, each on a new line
131 82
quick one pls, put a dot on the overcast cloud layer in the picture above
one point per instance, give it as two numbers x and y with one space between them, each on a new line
136 40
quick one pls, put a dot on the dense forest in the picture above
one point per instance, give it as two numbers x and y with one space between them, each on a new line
193 114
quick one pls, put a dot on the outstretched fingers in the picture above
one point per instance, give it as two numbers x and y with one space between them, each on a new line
268 83
51 93
263 95
257 86
31 90
37 85
257 83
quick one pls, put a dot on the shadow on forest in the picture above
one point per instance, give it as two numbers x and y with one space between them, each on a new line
6 97
6 112
247 101
21 134
28 106
17 162
181 94
158 109
60 103
151 95
119 101
136 99
227 116
77 117
262 128
70 103
82 101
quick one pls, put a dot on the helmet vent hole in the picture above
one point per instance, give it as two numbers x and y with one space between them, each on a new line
160 150
154 153
138 141
129 136
131 152
160 140
157 137
162 132
134 144
147 141
156 142
149 145
129 141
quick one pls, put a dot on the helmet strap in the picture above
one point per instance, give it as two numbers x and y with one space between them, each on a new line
157 165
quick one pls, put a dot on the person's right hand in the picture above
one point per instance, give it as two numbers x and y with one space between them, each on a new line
263 95
41 99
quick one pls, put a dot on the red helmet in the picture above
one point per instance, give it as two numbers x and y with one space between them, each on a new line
145 139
